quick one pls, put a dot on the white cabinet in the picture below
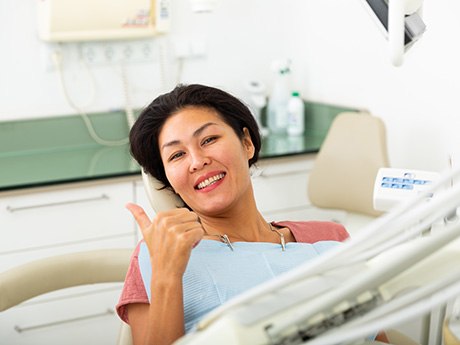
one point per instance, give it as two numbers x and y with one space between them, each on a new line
38 223
280 187
42 220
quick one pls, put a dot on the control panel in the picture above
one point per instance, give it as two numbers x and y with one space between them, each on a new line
395 185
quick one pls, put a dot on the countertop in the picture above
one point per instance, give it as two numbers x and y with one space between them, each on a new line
56 150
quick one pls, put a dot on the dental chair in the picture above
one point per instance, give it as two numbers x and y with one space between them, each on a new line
344 171
39 277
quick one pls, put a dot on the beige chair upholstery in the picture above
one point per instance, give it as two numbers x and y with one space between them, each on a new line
58 272
160 199
346 166
397 338
450 338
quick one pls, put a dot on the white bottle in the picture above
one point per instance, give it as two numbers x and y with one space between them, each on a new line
277 117
296 114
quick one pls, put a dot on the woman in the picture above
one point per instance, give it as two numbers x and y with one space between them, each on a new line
200 142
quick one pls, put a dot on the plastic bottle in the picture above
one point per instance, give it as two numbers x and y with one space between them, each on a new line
277 117
296 114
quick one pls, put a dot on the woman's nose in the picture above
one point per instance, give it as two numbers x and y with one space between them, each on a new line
199 160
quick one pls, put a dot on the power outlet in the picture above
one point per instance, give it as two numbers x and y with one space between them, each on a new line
100 54
49 53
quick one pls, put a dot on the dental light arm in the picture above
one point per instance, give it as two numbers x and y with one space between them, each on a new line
356 289
397 11
401 23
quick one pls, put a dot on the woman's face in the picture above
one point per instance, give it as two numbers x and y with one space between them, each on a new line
205 161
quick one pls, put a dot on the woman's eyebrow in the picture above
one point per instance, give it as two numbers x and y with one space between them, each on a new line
202 128
196 133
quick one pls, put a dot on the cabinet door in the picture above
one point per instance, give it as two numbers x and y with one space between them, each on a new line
280 187
281 184
83 318
61 217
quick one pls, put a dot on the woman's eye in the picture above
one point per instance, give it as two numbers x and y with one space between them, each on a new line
176 156
209 140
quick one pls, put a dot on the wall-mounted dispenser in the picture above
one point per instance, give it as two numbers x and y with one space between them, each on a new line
91 20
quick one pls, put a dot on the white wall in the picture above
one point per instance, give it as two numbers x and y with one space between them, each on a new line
339 56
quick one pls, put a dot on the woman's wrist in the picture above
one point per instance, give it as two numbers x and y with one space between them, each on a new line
165 281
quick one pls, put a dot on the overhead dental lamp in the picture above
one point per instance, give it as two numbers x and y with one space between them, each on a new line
401 22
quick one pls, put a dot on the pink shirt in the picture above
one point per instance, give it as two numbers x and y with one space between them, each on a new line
305 232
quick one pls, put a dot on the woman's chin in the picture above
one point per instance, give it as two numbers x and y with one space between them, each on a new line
212 209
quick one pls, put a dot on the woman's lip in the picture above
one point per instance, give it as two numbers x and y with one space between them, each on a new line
212 186
206 176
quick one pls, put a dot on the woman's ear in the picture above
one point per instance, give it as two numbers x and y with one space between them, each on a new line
247 143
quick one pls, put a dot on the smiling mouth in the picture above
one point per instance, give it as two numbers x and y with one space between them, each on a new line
209 181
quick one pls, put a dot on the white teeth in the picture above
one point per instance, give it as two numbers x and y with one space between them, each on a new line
209 181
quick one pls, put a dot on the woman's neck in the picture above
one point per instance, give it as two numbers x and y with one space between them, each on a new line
240 222
247 228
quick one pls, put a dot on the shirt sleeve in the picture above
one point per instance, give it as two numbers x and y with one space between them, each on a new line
133 289
315 231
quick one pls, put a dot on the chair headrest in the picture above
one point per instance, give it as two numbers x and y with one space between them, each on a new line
160 199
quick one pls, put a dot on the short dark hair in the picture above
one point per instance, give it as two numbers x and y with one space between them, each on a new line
144 134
